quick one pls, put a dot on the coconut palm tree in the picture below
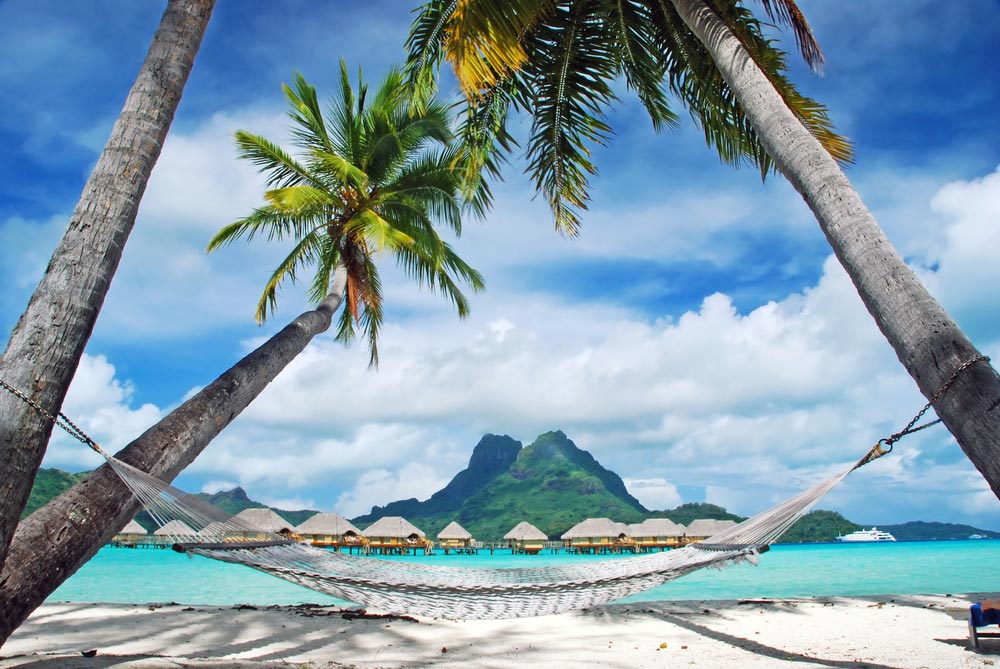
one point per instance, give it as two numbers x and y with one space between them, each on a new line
368 182
559 61
57 539
374 176
46 344
691 46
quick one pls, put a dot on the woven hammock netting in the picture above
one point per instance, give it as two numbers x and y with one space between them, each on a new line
449 592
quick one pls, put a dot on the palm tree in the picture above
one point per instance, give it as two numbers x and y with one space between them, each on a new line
373 177
688 45
46 344
558 61
57 539
379 188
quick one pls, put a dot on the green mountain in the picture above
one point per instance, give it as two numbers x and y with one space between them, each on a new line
550 483
918 530
818 527
685 513
48 484
236 500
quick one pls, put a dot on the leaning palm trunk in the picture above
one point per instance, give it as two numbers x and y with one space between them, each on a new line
50 337
927 341
55 541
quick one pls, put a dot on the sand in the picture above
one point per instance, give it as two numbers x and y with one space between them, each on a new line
891 631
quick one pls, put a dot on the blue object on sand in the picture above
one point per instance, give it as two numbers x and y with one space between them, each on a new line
982 618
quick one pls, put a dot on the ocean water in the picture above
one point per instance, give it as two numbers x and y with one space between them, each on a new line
123 575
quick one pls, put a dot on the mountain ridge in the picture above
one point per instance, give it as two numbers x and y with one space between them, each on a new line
551 483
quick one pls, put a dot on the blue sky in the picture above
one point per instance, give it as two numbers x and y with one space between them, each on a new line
697 337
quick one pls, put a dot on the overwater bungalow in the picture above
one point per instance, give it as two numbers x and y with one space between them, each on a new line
174 529
599 535
266 520
525 538
396 535
331 530
131 535
703 528
454 537
657 534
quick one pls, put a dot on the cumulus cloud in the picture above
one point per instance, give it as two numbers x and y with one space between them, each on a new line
414 480
747 407
655 493
101 405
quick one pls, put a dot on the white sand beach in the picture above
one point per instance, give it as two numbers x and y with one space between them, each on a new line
875 632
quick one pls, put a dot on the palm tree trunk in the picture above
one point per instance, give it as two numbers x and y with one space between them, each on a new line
46 344
57 539
926 340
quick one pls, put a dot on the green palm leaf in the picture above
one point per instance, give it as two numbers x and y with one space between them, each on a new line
377 175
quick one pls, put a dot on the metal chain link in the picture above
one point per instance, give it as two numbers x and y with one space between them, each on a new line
72 428
909 429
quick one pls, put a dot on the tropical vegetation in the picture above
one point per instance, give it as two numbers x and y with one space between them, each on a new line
40 360
556 60
375 175
90 513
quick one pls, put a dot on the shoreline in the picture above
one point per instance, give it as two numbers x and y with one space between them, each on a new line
876 632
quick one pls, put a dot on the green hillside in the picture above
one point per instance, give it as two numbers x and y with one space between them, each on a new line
918 530
550 483
685 513
818 527
236 500
48 484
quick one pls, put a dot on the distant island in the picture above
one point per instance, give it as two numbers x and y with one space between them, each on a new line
551 483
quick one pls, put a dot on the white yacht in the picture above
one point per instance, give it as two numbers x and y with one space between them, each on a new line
873 534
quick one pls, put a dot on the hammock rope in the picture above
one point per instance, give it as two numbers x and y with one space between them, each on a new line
197 528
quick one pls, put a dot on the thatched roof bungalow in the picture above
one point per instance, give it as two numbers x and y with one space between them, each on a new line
130 535
264 519
655 533
454 536
598 534
395 533
133 528
175 528
329 529
526 538
703 528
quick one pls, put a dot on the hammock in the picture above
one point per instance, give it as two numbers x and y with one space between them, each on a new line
457 593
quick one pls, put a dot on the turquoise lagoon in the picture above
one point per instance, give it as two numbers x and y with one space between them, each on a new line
123 575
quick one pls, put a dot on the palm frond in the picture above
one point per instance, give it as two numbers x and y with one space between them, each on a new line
327 261
483 40
378 233
786 12
268 221
635 50
303 253
281 168
572 84
300 200
311 132
424 50
378 178
343 170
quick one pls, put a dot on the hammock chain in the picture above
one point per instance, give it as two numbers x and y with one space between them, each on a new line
72 428
910 429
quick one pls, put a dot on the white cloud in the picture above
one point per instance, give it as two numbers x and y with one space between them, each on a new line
214 486
101 405
748 407
378 486
655 493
